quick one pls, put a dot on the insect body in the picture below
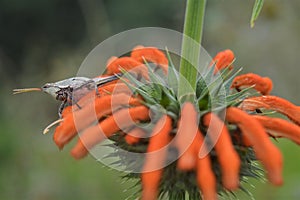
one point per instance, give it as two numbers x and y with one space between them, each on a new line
70 90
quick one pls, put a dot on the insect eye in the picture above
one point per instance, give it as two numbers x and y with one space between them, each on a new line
47 85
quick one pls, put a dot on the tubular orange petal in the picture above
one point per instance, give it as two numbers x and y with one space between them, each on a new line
206 179
75 121
67 110
264 149
185 136
223 59
155 158
112 88
280 128
151 54
134 136
274 103
262 84
241 139
129 64
119 120
226 154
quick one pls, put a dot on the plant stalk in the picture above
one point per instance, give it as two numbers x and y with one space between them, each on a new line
190 50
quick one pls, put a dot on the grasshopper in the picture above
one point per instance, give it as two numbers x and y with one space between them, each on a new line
70 90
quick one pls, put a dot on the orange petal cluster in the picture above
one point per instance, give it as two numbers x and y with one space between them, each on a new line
188 139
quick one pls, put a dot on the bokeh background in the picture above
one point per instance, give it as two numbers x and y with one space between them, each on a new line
43 41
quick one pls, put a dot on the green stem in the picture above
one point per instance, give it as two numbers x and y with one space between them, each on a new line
193 25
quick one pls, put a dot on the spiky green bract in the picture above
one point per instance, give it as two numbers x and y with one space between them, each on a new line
213 94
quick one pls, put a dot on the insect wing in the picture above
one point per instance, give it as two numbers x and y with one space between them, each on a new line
102 80
81 90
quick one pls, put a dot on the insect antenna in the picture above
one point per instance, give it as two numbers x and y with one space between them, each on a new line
23 90
46 130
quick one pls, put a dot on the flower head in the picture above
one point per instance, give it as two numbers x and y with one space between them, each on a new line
218 138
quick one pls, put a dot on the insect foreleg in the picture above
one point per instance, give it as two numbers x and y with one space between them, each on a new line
61 108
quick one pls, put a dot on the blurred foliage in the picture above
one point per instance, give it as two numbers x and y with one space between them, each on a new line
43 41
256 10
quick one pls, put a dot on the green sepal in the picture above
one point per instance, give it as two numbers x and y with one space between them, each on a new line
173 77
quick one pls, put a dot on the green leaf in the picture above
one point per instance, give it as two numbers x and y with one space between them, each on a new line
172 74
256 10
131 78
217 84
227 84
139 89
201 86
159 84
154 79
210 73
236 98
214 85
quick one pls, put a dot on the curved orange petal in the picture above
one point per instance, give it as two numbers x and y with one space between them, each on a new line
76 121
241 139
187 129
134 136
280 128
113 87
129 64
262 84
226 154
274 103
95 134
155 158
223 59
151 54
264 149
206 179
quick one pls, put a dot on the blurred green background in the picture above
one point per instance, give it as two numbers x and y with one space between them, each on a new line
43 41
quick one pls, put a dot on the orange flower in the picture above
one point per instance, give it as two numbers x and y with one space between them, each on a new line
238 131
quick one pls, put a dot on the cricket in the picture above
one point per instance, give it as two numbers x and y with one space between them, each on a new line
69 91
